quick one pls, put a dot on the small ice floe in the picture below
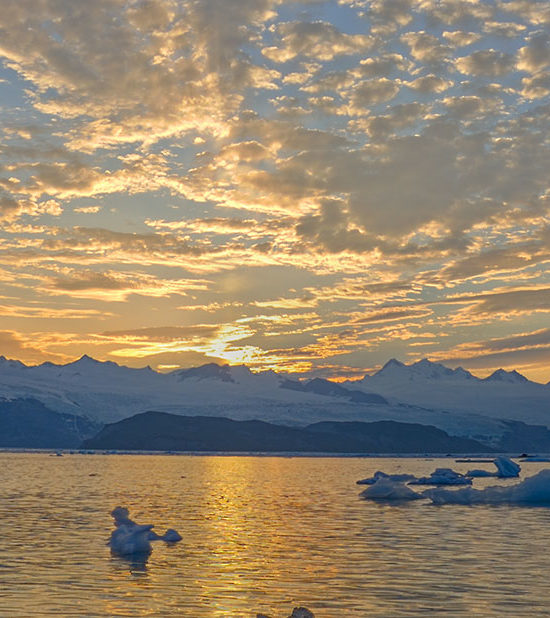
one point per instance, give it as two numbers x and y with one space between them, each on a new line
443 476
506 469
534 490
382 475
386 488
130 538
301 612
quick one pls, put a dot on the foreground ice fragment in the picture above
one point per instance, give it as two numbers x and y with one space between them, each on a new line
506 469
534 490
130 538
443 476
379 475
389 489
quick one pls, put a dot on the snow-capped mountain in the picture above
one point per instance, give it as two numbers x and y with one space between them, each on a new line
503 395
425 392
512 377
421 370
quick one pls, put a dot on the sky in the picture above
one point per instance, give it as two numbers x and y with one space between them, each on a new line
310 187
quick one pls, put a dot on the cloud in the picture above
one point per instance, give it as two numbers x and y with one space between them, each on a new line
298 166
88 280
135 83
382 65
426 47
536 338
392 314
429 84
535 56
495 262
536 87
460 38
371 92
199 332
506 303
15 346
488 62
535 11
389 15
317 40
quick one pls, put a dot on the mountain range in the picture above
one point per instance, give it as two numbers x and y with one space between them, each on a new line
492 410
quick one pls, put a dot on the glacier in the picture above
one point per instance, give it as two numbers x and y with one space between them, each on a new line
427 393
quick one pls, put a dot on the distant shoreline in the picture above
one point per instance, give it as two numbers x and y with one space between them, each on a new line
279 454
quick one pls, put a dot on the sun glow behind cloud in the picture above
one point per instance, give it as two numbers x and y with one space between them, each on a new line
293 185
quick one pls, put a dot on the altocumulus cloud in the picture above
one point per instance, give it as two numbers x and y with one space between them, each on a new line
373 151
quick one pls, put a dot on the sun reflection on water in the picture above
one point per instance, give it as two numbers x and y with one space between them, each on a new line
260 534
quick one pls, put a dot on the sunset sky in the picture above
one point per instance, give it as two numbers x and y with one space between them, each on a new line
299 186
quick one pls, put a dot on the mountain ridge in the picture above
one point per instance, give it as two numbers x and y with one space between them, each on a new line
161 431
424 392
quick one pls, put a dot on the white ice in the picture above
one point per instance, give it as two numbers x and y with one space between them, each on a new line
442 476
379 475
534 490
506 469
386 488
130 538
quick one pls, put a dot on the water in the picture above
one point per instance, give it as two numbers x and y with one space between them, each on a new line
260 534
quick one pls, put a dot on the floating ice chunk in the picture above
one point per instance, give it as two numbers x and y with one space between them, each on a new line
130 538
301 612
126 541
382 475
389 489
534 490
506 469
443 476
171 536
480 473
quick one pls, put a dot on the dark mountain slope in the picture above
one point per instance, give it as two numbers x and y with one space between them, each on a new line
27 423
162 431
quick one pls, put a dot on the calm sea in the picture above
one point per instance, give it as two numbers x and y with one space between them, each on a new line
260 534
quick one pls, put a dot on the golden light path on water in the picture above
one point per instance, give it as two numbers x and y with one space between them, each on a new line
260 534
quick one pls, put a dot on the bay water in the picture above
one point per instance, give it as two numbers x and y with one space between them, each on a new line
260 535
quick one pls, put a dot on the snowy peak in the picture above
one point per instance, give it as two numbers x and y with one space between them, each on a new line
205 372
427 369
6 363
511 377
436 371
86 362
423 369
319 386
393 368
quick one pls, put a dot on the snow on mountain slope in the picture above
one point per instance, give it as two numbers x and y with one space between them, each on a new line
425 392
106 392
513 377
503 395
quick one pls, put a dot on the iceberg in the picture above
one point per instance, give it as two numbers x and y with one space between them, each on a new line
442 476
534 490
382 475
130 539
506 469
386 488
